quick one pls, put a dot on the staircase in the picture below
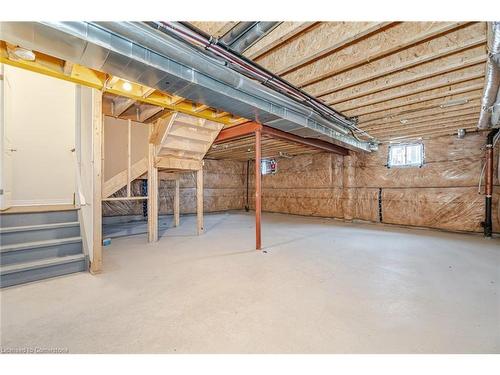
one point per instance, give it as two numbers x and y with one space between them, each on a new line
181 142
39 245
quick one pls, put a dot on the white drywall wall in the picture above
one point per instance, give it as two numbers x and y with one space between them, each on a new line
42 130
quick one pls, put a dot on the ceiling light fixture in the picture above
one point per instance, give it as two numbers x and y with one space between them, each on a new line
453 103
403 121
127 86
24 54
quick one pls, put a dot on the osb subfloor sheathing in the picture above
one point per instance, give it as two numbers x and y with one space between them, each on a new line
322 286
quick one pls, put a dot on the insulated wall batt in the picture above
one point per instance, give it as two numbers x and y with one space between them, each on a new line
224 189
304 185
442 194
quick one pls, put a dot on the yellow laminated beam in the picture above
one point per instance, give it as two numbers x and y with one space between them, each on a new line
57 68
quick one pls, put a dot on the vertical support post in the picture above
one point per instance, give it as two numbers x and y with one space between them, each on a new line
258 188
199 200
348 185
152 193
176 203
488 184
129 157
97 160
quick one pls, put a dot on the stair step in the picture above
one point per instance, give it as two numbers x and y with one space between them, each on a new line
41 269
8 220
37 244
39 232
37 250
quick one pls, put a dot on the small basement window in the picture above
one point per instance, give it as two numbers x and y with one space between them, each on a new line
406 155
268 166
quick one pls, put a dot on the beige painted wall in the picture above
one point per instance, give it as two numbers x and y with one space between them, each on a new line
115 144
42 130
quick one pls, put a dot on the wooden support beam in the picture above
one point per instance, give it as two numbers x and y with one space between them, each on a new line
54 67
258 189
112 199
171 162
68 68
146 112
199 201
97 161
152 194
177 204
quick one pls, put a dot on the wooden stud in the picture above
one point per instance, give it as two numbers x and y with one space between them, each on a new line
112 199
258 189
119 180
152 194
129 157
199 200
97 161
177 163
177 203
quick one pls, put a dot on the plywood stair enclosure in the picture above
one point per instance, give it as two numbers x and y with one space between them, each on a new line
177 144
181 141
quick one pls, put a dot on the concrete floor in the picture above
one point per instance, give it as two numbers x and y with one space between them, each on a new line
322 287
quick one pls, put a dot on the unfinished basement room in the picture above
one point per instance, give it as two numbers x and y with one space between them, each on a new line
250 187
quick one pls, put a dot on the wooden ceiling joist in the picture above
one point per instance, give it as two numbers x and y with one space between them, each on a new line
427 126
447 92
421 119
398 38
236 142
312 46
374 87
282 34
412 89
392 65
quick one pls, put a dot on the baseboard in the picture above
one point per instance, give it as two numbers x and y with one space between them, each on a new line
40 202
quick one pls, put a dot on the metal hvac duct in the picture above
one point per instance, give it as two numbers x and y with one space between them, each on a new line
139 53
490 103
245 34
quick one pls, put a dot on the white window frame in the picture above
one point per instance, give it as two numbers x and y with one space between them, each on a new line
406 165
